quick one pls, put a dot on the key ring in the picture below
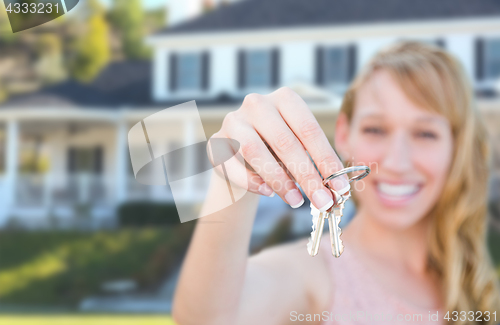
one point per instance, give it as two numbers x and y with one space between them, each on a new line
366 170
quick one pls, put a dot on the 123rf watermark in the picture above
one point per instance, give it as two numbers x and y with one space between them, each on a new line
362 316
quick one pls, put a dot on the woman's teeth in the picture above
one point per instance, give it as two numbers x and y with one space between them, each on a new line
399 190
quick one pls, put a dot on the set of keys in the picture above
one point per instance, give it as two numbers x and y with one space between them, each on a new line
334 214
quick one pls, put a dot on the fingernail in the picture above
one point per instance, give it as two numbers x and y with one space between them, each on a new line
322 201
264 189
340 184
294 198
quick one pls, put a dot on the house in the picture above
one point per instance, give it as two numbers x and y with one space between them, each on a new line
78 133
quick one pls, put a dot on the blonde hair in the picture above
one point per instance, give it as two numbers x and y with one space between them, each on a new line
434 79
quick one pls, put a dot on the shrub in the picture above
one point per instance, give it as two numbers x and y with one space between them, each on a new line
140 214
59 269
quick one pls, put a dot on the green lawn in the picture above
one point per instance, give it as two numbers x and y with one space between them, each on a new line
57 268
494 248
85 320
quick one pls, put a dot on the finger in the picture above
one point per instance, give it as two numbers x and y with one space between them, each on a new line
224 147
291 152
280 162
304 125
263 163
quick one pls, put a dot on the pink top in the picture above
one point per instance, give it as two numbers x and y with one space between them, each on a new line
359 299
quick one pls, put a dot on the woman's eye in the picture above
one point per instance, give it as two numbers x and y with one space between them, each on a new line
427 135
373 130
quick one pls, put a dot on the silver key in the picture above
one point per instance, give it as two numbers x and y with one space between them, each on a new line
318 224
334 217
318 221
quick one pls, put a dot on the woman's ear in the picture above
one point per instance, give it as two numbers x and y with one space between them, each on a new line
342 137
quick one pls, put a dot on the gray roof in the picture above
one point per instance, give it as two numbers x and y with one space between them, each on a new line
118 84
265 14
123 83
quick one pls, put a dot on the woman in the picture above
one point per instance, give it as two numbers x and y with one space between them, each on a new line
417 243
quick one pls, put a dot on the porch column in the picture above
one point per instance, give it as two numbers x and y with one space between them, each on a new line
11 163
189 157
48 180
121 159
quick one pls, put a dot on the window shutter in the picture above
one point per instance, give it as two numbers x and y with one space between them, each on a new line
352 58
275 67
71 160
205 70
479 59
98 160
173 72
320 60
241 69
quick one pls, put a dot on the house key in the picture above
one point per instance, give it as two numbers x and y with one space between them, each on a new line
334 214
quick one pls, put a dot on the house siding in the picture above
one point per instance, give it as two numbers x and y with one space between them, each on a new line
297 62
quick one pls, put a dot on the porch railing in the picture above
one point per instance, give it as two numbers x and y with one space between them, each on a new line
45 190
31 190
34 190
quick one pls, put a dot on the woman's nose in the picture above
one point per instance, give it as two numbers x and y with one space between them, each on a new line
398 157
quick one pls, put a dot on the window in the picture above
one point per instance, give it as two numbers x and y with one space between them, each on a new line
85 160
335 65
189 71
492 59
258 68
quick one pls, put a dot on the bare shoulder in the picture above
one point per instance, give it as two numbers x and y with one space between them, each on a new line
289 254
292 259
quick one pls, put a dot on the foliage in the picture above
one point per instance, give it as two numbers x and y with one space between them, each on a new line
31 160
50 63
90 8
139 214
128 17
60 268
494 247
92 49
155 19
6 35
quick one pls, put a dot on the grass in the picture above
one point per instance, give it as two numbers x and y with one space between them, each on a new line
494 248
79 319
60 268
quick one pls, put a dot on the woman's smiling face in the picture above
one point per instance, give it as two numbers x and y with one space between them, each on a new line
408 148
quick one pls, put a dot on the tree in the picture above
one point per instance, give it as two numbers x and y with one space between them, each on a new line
6 35
128 17
49 65
92 49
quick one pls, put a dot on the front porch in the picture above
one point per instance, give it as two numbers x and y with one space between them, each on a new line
62 164
61 169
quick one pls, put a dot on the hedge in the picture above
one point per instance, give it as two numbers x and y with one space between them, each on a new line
140 214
